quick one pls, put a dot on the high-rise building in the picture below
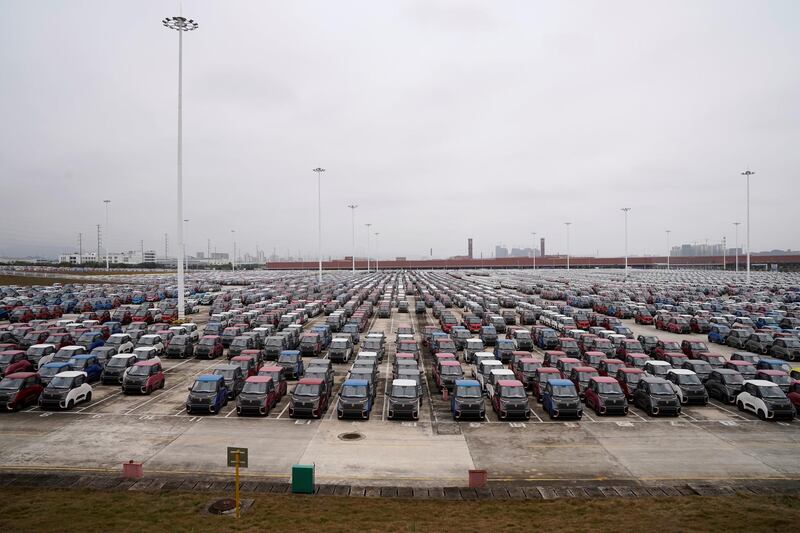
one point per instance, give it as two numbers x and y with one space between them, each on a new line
541 247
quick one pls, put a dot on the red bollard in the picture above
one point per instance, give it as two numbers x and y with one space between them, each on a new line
131 470
477 479
444 394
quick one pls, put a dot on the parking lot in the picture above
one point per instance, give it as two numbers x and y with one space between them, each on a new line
712 442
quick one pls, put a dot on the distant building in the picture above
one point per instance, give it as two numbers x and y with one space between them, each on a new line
469 247
114 258
502 251
695 250
541 247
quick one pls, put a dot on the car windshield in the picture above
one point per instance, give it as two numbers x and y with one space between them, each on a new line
609 388
148 341
287 359
451 370
404 391
771 392
514 392
781 380
530 367
115 341
11 383
661 388
792 343
178 341
372 345
354 391
469 392
204 386
689 379
37 351
5 359
79 363
60 382
226 373
305 389
239 342
632 379
207 342
139 371
564 391
702 368
633 346
254 388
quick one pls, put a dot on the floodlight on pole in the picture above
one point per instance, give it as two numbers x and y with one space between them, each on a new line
319 171
377 259
353 218
626 209
185 257
180 24
233 259
669 251
368 226
747 173
736 244
567 224
107 233
533 250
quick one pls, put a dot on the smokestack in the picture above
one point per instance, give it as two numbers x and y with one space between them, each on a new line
541 246
469 247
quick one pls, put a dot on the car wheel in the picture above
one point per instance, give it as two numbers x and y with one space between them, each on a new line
652 410
88 397
70 405
762 415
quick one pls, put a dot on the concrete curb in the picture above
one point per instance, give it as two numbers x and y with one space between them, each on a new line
515 492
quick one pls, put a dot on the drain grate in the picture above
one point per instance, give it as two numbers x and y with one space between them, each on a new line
351 436
223 506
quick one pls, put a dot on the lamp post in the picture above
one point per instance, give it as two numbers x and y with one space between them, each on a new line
567 224
180 24
669 251
377 260
626 209
107 233
736 244
747 173
185 256
533 250
319 171
724 253
353 218
368 226
233 259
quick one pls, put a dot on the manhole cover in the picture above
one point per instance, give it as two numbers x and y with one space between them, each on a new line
351 436
222 506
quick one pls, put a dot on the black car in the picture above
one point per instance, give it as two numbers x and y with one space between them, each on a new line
690 386
656 397
234 378
181 346
724 384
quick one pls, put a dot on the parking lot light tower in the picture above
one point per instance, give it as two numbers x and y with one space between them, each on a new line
567 224
107 233
233 258
736 244
353 218
626 209
668 248
747 173
377 260
368 226
319 171
180 24
533 250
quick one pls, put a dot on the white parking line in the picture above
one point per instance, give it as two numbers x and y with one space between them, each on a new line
91 404
285 408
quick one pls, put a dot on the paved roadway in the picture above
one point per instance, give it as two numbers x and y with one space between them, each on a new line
714 442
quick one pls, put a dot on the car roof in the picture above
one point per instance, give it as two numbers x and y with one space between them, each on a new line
272 368
629 370
560 382
769 372
584 368
42 345
242 358
57 364
21 375
509 383
467 383
310 381
452 362
123 356
356 382
84 356
146 363
681 371
657 362
653 379
209 377
761 383
258 379
70 374
406 382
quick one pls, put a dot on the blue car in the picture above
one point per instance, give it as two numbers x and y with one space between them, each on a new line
718 334
292 363
560 399
467 400
355 399
91 340
208 394
773 364
49 370
113 327
88 363
325 333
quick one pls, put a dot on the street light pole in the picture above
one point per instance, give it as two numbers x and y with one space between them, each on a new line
185 256
626 209
319 171
533 250
353 218
181 24
368 226
724 253
377 259
747 173
669 251
567 224
107 233
233 259
736 244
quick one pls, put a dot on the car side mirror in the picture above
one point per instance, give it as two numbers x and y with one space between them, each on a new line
189 389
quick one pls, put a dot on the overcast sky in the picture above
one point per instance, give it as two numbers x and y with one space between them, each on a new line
442 120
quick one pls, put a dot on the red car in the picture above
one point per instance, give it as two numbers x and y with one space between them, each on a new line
551 357
629 346
678 324
41 312
59 340
609 367
259 395
21 314
144 377
605 395
592 358
13 361
123 316
665 347
20 389
247 363
636 360
794 395
693 349
278 378
473 324
643 317
713 359
628 379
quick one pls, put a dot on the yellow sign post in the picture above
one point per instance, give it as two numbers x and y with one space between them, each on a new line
237 457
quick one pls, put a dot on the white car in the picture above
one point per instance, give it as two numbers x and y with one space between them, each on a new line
65 390
495 375
146 353
191 327
37 352
151 341
121 341
765 399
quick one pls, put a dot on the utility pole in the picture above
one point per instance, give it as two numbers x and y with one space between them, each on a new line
377 259
80 248
736 245
724 254
626 209
353 218
567 224
166 247
233 259
368 226
533 250
97 257
747 173
141 245
319 171
669 250
107 233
